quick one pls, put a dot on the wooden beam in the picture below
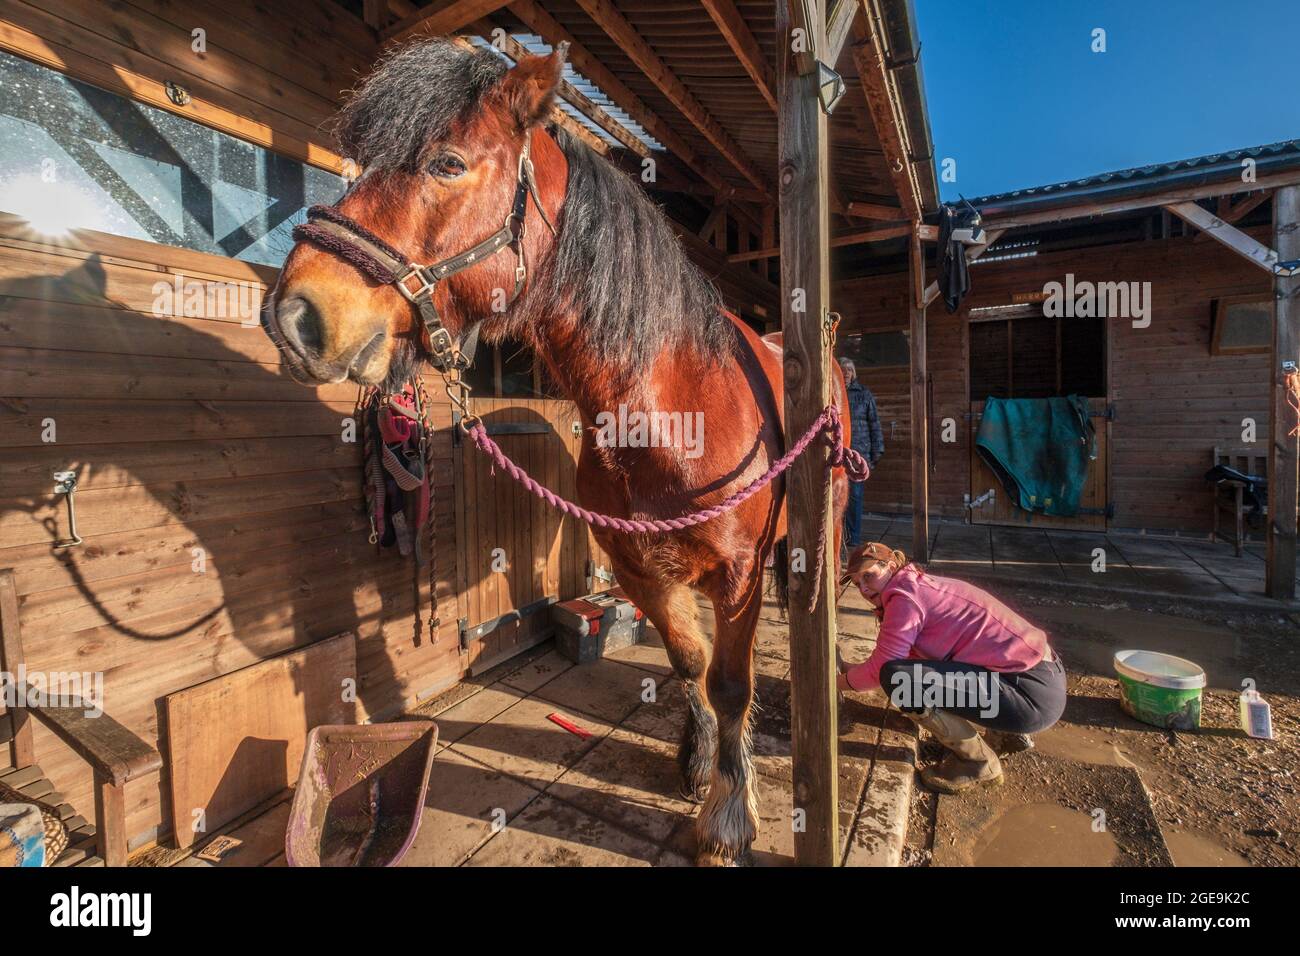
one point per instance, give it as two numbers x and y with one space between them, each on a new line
872 210
570 93
715 223
21 740
886 108
805 15
894 230
1089 209
920 409
972 253
375 13
439 19
621 31
736 32
1226 233
803 150
839 23
549 29
1284 456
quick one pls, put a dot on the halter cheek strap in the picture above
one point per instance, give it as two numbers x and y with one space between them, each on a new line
378 261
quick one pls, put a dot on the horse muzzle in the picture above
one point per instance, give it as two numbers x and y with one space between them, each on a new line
298 328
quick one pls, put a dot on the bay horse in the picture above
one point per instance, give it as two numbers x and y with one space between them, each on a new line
607 299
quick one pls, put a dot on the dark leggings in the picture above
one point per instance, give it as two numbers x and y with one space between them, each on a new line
1017 703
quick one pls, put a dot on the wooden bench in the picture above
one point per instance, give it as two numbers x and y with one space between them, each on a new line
114 754
1229 496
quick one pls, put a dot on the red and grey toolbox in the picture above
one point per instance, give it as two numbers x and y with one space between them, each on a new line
588 628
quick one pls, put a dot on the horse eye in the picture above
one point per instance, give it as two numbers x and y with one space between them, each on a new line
447 166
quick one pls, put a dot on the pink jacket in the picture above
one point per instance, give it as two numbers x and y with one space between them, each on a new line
932 618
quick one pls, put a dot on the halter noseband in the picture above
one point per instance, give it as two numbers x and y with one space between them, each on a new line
380 262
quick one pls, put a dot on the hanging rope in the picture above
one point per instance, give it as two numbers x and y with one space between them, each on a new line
827 425
1292 385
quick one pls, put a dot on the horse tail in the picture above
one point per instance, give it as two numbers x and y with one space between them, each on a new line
781 575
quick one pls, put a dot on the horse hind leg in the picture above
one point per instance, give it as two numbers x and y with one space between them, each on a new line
728 823
672 610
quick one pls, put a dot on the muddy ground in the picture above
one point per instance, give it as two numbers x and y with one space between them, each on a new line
1219 797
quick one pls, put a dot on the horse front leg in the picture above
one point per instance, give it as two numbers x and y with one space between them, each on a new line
728 824
672 609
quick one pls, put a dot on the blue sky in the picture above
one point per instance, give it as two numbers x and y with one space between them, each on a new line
1017 97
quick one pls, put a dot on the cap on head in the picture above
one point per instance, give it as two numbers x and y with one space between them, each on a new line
868 552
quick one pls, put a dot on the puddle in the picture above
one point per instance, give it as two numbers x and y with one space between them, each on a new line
1043 834
1192 849
1081 744
1216 649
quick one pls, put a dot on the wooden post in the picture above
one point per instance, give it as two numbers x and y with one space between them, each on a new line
920 411
1285 445
805 296
110 821
22 748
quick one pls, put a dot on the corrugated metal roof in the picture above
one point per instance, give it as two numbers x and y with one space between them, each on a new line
1274 154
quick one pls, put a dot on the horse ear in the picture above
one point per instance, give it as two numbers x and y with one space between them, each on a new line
529 88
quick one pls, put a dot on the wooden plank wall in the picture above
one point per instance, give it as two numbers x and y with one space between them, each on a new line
272 71
1174 401
186 436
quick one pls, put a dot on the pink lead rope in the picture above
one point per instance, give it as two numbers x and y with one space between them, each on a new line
827 423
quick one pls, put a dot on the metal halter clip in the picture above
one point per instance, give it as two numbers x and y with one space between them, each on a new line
426 287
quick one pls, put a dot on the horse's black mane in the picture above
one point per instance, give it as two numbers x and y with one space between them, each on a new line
617 260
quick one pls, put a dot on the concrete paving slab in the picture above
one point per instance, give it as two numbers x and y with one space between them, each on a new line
538 672
466 804
465 717
629 780
522 742
662 718
550 832
649 655
605 689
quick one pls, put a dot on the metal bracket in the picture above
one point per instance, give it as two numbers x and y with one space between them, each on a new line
65 483
470 634
177 93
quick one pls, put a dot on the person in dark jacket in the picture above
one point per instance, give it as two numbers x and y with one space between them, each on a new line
868 441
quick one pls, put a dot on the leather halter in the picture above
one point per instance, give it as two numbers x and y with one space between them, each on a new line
349 240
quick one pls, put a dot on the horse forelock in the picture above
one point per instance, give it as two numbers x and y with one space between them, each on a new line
410 100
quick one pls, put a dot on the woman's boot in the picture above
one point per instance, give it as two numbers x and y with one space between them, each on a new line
970 760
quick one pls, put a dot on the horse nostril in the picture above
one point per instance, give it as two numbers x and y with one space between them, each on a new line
301 325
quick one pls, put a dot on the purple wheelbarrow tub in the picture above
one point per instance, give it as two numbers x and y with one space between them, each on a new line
360 794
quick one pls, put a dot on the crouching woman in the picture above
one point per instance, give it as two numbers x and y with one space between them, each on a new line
951 657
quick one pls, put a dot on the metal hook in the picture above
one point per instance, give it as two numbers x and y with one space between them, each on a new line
65 483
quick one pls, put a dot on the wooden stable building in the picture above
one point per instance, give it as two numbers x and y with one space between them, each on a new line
219 504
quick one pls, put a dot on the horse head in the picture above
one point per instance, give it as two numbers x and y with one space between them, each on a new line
459 181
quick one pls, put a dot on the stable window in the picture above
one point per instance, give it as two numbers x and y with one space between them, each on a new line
73 156
876 349
1029 355
1243 325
